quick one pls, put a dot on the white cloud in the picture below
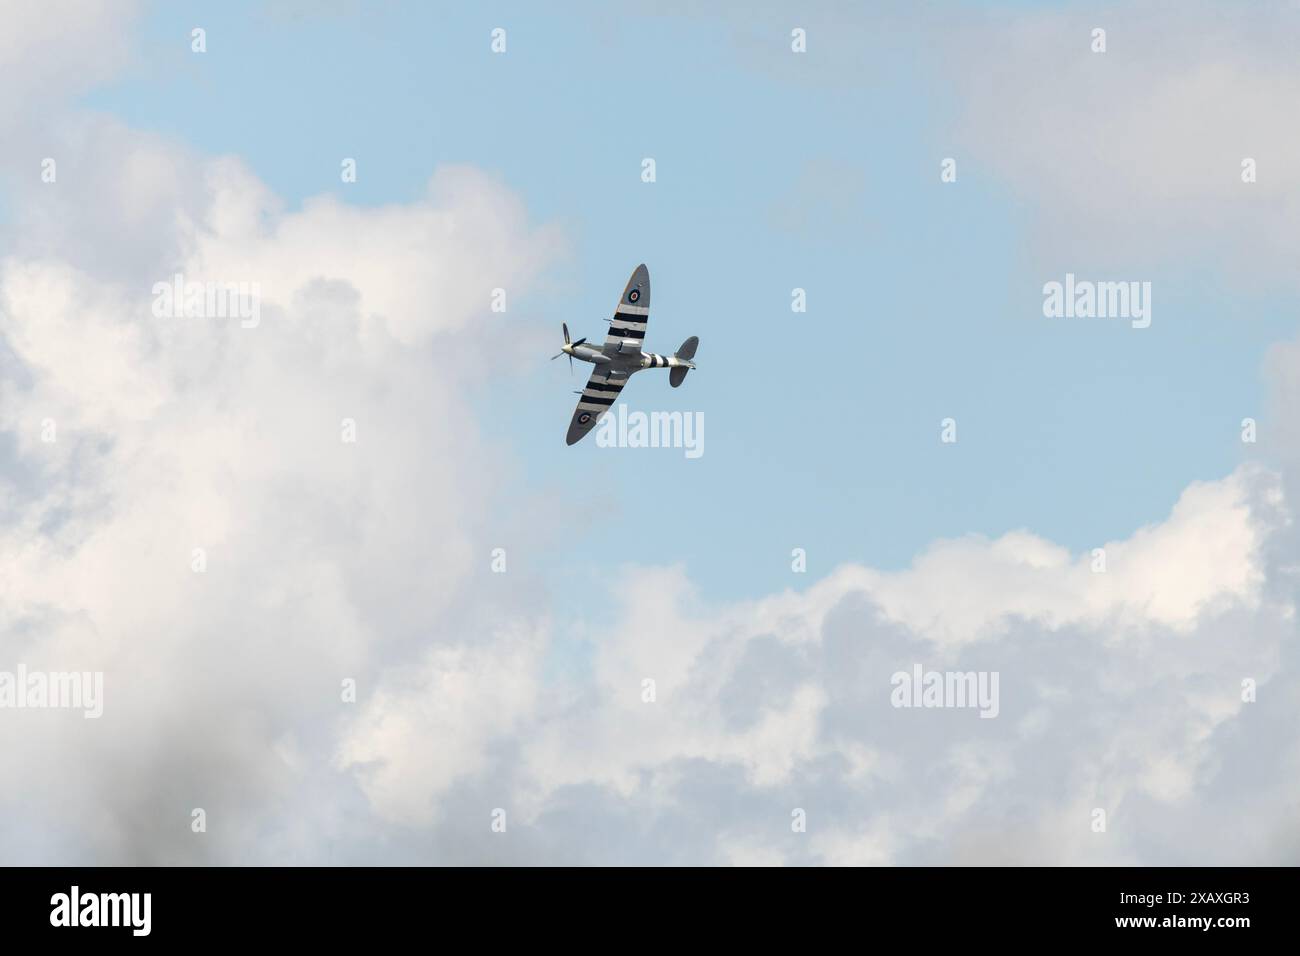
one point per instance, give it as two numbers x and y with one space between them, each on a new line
1138 149
424 731
383 254
1119 691
325 560
55 48
1205 554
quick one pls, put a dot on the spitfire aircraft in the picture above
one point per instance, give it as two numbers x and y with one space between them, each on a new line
620 356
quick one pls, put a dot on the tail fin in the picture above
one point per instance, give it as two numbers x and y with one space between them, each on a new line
687 352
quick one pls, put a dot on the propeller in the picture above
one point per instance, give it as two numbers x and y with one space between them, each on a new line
568 346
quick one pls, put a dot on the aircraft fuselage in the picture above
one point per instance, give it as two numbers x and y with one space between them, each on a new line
629 361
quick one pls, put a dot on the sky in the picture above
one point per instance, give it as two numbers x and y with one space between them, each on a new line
826 538
771 175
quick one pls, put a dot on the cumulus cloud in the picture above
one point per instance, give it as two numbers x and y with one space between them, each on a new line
1120 691
144 447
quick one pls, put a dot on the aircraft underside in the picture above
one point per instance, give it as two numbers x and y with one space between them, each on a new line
620 356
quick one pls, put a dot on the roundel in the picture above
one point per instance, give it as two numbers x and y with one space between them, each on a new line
584 418
634 295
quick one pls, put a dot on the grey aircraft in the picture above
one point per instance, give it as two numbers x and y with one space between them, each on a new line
620 356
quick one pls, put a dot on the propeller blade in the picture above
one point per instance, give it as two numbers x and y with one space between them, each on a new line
579 342
565 326
570 364
556 355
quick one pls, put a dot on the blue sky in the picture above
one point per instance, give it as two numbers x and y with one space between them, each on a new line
822 429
